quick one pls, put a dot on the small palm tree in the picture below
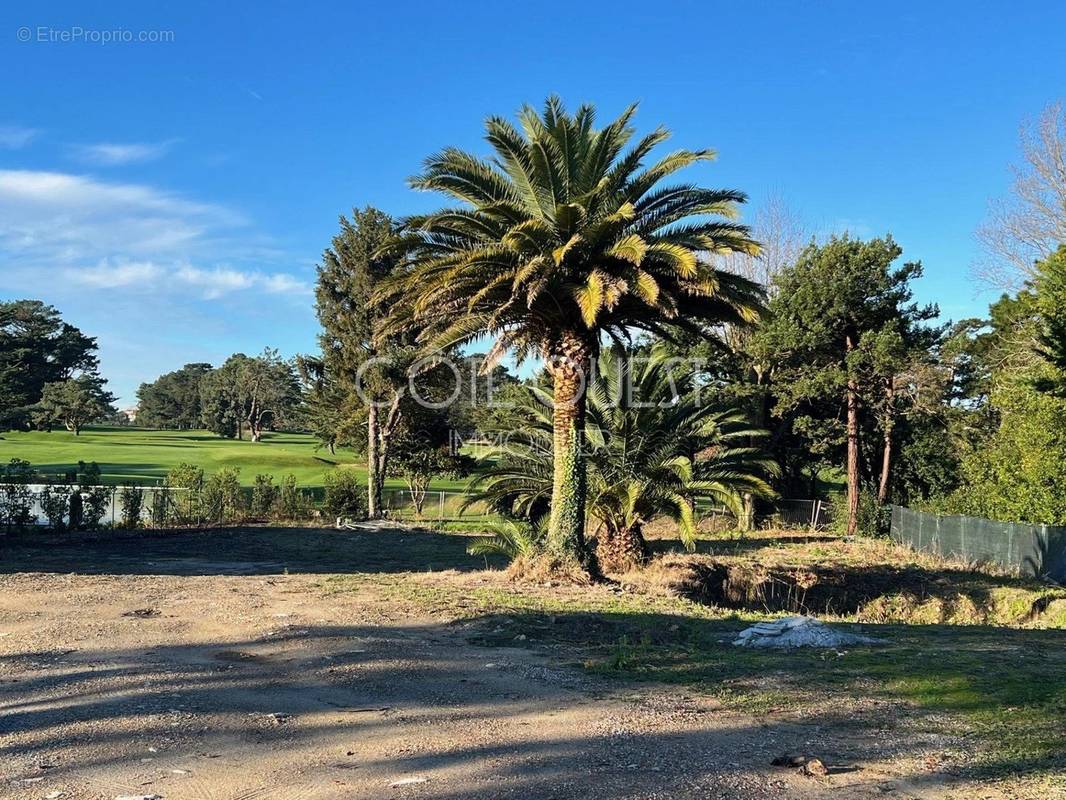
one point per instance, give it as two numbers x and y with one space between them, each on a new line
655 450
512 539
560 238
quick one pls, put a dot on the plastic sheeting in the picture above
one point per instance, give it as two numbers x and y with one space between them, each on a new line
1038 550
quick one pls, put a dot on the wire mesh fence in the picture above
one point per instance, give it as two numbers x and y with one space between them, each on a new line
73 507
89 507
795 513
441 507
1037 550
67 506
435 507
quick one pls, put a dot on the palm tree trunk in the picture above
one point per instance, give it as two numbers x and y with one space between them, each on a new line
621 550
569 367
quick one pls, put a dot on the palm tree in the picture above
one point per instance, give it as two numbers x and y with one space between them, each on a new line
655 450
560 238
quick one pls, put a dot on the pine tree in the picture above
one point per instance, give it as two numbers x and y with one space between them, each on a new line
362 375
842 327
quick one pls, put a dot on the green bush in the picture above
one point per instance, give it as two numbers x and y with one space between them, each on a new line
292 503
162 505
16 501
96 499
222 499
184 504
264 495
132 498
345 495
55 503
512 539
1018 473
874 519
76 510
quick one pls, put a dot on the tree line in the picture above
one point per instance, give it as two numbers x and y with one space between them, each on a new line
49 370
800 363
244 396
566 245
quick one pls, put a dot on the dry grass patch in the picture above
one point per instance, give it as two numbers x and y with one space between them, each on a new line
864 580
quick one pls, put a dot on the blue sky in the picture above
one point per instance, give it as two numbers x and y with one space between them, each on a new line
172 198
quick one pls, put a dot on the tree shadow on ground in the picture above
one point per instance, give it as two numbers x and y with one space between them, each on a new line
394 701
240 551
1004 686
486 719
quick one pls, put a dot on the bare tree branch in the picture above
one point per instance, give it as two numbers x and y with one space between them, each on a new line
781 233
1030 223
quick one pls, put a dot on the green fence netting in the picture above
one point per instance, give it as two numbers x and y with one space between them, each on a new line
1029 549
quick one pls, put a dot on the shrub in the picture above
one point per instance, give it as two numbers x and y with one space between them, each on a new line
222 497
291 503
161 507
96 502
1018 473
524 545
514 540
264 495
95 498
132 498
55 503
874 519
16 500
76 510
345 495
184 504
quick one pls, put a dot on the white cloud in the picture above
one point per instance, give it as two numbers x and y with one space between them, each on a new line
110 154
210 284
129 237
13 137
113 276
281 283
50 217
217 281
220 281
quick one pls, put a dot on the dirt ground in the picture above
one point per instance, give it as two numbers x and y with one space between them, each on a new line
230 667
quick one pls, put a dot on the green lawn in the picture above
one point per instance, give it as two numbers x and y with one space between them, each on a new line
144 456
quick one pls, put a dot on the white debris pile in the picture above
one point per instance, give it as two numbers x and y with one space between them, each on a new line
799 631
